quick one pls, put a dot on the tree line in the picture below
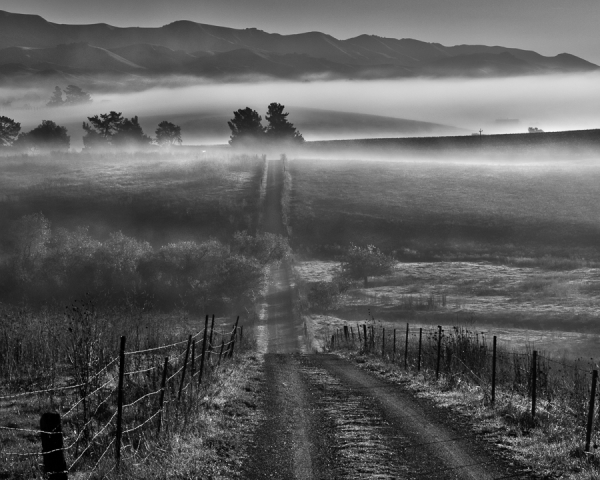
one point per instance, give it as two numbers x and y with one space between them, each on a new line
112 130
102 131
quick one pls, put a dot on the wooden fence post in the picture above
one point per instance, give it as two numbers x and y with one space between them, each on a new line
161 398
210 342
221 351
420 343
358 330
52 446
382 342
231 347
185 362
203 351
365 337
406 349
533 383
394 347
494 371
119 432
193 364
439 353
590 423
346 335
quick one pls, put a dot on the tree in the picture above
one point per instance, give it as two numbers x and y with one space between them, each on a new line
130 134
168 134
112 129
56 100
246 127
535 130
363 262
101 128
279 128
9 131
75 95
47 135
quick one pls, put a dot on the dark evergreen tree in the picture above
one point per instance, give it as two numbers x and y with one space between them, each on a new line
101 129
56 100
246 128
75 96
9 131
168 133
48 136
130 134
279 128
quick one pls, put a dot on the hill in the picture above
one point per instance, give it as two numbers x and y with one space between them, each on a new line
34 45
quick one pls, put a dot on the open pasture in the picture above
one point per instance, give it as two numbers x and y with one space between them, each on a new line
155 197
555 311
536 213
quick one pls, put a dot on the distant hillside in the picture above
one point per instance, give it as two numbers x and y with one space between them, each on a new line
33 46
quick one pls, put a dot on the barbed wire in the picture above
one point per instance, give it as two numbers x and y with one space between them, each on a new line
144 423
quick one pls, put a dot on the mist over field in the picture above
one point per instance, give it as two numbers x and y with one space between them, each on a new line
506 105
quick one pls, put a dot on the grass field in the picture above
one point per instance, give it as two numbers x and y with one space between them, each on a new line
450 210
159 198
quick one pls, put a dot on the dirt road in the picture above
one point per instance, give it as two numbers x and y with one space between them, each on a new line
323 418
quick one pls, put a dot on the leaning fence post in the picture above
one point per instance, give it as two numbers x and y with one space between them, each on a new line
494 370
193 364
203 350
533 383
161 398
119 432
52 446
406 349
588 435
439 353
187 356
420 343
233 337
221 351
210 342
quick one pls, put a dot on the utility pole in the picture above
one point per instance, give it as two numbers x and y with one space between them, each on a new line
480 132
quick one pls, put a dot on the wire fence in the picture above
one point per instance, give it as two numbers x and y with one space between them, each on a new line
90 426
456 355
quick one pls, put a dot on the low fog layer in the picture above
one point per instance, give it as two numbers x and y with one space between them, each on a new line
551 103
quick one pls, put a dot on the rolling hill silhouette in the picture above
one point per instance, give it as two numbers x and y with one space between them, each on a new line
30 45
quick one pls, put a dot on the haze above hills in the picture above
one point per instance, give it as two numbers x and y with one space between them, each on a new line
33 48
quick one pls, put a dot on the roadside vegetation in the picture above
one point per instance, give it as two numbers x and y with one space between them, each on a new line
454 371
102 245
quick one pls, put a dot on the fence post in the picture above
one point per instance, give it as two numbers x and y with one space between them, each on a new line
203 350
352 333
420 343
332 342
533 383
52 442
187 356
494 371
366 337
193 364
241 333
394 347
382 342
358 330
439 353
233 337
346 332
161 398
406 349
119 432
210 342
588 435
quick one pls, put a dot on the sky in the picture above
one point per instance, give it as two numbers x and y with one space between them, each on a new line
549 27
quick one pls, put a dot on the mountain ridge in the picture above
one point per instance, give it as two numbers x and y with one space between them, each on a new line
184 47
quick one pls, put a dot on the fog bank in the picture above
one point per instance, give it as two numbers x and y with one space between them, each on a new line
506 105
